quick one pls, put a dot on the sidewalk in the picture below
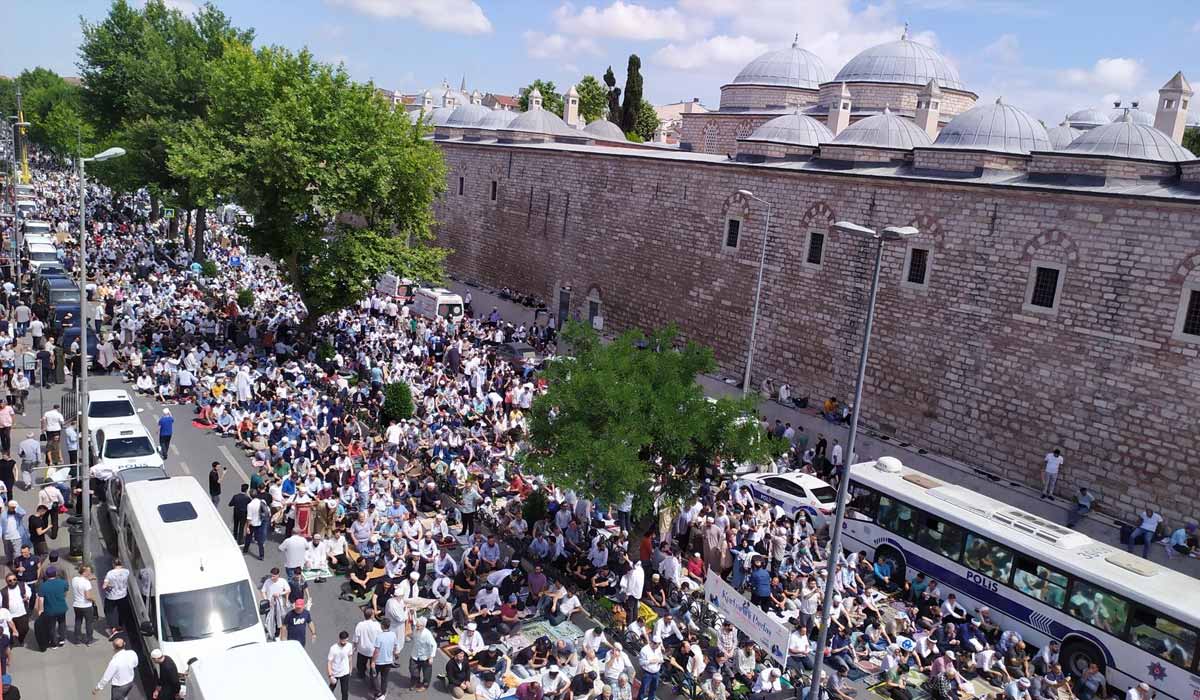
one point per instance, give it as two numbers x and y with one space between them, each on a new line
1098 525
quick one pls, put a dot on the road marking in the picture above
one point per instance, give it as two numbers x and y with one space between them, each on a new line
186 470
175 450
233 463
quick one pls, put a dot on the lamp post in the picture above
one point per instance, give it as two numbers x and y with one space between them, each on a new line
84 465
762 262
892 233
18 128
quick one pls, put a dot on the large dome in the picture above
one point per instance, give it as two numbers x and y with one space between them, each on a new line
885 130
539 121
1125 138
605 130
791 67
467 115
1062 135
1087 118
995 127
793 130
904 61
439 116
496 119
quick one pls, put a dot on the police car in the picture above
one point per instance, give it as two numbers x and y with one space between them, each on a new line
122 446
792 492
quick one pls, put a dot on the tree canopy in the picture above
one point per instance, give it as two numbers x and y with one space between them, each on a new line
593 98
647 121
632 102
552 101
53 107
618 419
1191 140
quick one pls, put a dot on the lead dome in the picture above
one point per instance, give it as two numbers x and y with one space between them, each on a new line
904 61
606 130
790 67
1087 118
1125 138
792 129
887 130
996 127
467 115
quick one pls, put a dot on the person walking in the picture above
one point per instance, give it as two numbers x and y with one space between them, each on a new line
387 647
365 634
83 604
258 518
70 437
14 531
214 481
30 452
52 425
16 597
298 624
116 590
420 661
295 551
169 683
239 503
337 664
121 672
166 428
52 602
7 416
1054 462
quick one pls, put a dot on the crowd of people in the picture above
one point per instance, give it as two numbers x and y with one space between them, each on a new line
423 519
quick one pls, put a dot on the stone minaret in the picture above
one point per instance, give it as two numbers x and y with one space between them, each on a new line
535 99
427 102
1173 100
570 113
929 106
839 112
476 98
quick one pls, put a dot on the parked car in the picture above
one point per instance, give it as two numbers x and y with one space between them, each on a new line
518 353
792 492
108 407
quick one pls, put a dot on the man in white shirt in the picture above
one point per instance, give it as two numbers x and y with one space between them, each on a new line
471 641
365 634
116 588
650 658
337 664
258 517
632 585
1145 532
52 424
1054 461
295 549
82 604
121 671
799 650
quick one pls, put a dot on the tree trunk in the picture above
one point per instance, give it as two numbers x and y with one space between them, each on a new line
198 237
187 230
173 228
153 208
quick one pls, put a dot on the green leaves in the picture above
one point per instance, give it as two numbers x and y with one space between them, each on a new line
593 98
552 101
647 121
618 419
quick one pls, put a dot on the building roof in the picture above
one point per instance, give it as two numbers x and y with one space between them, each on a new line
1136 115
1126 138
790 67
504 100
606 130
904 61
885 130
1087 118
1062 135
793 129
996 127
439 116
540 121
467 115
496 119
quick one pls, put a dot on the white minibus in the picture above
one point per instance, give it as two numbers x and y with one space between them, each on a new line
432 303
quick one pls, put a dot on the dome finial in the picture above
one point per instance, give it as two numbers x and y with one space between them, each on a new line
904 36
999 100
887 109
796 41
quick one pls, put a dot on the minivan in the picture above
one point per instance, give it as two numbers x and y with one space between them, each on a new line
41 254
432 303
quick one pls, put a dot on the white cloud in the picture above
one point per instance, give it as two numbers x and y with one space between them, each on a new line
1005 49
1107 74
185 6
721 50
622 20
540 45
456 16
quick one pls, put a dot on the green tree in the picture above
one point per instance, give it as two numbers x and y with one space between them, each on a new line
593 98
1191 140
552 101
633 94
397 403
647 121
618 419
614 97
341 187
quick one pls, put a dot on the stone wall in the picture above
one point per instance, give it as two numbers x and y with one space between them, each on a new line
964 160
716 132
765 97
897 97
1190 171
763 149
864 154
959 367
1067 164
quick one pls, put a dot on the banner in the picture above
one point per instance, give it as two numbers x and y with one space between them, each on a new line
765 631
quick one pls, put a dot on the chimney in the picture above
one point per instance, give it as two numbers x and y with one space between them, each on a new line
427 101
839 111
476 98
570 113
929 106
449 100
535 99
1173 101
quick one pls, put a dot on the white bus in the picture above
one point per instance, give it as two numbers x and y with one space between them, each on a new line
1138 621
189 586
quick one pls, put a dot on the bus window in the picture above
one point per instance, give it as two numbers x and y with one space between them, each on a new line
863 503
1162 637
1041 582
896 516
1098 608
940 536
987 557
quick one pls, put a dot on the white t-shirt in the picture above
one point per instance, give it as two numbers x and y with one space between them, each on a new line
339 659
1150 522
54 421
116 584
80 588
5 618
1053 462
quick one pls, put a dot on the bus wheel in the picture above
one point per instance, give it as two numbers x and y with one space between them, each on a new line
893 556
1078 654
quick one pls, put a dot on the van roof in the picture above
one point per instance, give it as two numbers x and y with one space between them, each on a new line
108 395
191 548
437 291
39 246
238 672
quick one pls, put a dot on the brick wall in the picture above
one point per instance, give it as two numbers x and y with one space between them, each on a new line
862 154
965 160
897 97
1190 171
1066 164
959 367
765 97
716 132
771 150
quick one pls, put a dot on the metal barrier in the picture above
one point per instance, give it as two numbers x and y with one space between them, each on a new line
70 403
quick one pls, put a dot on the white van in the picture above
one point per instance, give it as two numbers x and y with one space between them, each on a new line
398 288
33 226
41 254
432 303
189 586
25 207
118 446
241 673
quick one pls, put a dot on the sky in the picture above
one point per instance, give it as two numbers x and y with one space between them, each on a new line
1047 57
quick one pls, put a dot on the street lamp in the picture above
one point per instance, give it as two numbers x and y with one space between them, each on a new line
891 233
84 465
762 262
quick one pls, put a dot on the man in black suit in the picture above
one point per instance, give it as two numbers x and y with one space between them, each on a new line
239 502
168 676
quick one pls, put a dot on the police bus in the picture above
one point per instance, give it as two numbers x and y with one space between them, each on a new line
1136 620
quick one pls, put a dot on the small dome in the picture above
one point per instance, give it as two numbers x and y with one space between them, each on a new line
605 130
1136 116
467 115
1086 119
439 116
793 130
1125 138
995 127
790 67
905 62
885 130
496 119
1061 135
539 121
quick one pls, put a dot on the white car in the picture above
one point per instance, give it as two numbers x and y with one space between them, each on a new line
792 492
122 446
108 407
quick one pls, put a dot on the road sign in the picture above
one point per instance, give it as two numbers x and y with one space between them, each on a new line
168 213
28 361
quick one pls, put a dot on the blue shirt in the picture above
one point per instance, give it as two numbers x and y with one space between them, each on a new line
166 426
297 624
760 581
385 644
